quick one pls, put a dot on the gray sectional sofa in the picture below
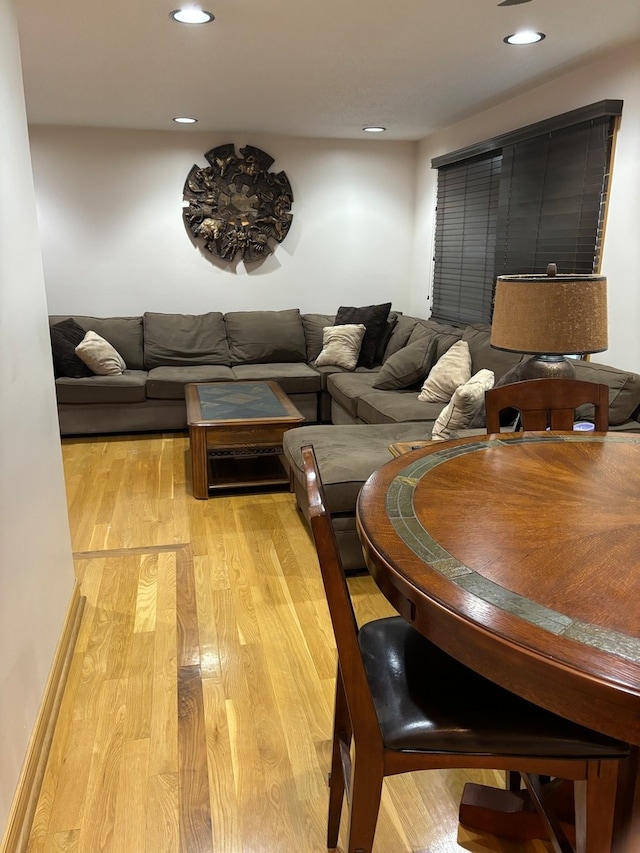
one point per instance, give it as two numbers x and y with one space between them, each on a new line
164 352
351 416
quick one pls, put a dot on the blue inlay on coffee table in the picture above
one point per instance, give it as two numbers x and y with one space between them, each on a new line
239 400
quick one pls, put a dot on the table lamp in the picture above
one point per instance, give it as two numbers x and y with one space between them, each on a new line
550 316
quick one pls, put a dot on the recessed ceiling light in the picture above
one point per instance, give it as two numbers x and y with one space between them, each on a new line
191 15
374 129
524 37
185 120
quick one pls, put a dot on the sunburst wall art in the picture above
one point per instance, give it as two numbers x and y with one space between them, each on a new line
235 205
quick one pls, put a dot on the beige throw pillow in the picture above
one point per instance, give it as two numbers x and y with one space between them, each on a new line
100 356
461 409
448 373
341 345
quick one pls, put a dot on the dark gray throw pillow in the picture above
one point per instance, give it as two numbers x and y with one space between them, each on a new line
65 337
373 318
408 366
387 331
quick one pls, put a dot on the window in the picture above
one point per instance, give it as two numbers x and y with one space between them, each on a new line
517 203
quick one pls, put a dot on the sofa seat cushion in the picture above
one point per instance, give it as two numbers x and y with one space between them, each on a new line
347 388
127 387
624 388
292 377
260 337
167 383
385 407
326 371
347 456
179 340
123 333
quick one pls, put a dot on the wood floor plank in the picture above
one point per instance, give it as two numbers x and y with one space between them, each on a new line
163 757
99 812
222 782
161 814
140 677
187 615
130 824
145 611
194 801
70 788
229 643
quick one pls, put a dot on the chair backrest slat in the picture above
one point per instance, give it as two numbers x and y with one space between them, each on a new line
343 619
547 402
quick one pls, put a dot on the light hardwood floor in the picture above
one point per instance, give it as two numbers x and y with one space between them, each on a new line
197 715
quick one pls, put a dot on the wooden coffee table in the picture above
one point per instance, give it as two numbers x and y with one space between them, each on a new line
235 434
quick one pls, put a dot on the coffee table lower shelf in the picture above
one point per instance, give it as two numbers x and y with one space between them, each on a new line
233 469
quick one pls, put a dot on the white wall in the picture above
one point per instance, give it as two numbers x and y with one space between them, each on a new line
614 76
110 210
36 573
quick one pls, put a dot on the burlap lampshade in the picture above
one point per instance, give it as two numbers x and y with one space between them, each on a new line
550 316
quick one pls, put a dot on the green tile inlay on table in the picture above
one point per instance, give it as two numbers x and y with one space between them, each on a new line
400 509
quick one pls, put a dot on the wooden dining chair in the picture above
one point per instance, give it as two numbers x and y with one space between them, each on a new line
544 403
401 704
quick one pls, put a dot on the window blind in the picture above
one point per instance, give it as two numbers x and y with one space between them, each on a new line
537 197
465 240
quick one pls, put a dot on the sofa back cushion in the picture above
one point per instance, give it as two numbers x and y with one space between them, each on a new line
483 355
257 337
399 336
624 389
123 333
173 340
446 336
314 324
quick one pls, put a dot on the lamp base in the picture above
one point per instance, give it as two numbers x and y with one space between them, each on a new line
548 367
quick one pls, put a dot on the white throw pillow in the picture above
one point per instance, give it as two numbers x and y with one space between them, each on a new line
341 345
448 373
463 406
100 356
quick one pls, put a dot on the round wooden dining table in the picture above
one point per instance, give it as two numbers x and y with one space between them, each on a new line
519 555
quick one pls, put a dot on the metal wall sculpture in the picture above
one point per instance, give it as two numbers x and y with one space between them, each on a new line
236 205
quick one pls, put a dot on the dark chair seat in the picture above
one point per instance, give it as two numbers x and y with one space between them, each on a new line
426 700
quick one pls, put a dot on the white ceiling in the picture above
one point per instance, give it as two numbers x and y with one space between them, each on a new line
293 67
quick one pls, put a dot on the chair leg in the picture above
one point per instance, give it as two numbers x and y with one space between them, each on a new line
513 781
341 732
595 801
366 790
